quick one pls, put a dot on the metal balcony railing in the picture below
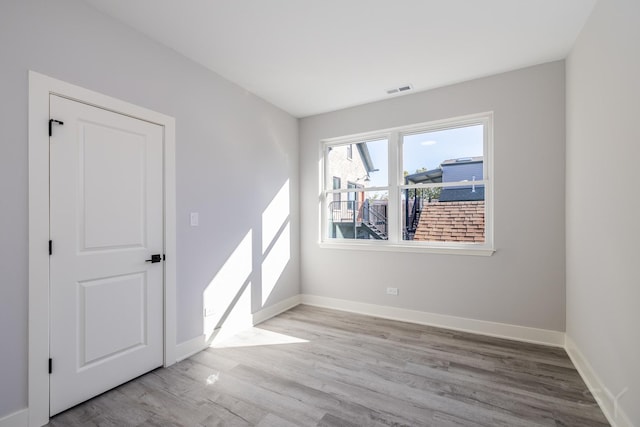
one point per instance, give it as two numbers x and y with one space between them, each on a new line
372 216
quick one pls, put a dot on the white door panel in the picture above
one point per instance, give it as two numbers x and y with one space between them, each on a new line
106 220
98 300
121 197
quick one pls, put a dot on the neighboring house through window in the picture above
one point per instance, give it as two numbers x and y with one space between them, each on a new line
337 184
352 195
348 218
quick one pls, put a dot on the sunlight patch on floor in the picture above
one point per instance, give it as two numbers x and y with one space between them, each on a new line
256 337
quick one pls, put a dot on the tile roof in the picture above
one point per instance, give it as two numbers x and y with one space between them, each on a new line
451 222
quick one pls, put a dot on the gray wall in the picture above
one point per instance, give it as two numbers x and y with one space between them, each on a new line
603 207
234 152
523 282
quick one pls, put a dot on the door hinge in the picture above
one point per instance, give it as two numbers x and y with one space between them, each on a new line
164 258
50 247
51 122
50 365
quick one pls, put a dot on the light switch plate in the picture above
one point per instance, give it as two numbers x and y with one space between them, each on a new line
195 219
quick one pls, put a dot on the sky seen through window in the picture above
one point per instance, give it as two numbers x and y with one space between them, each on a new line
426 150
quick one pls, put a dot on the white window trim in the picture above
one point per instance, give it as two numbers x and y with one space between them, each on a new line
396 185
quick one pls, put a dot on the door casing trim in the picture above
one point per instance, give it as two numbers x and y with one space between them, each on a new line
40 88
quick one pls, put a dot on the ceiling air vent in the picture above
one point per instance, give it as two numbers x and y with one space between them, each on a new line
403 88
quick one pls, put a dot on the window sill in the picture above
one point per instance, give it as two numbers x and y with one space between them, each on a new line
391 247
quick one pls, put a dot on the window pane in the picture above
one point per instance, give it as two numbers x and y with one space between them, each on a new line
364 165
451 214
362 216
447 155
337 185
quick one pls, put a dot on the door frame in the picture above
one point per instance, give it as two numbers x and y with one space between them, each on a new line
40 88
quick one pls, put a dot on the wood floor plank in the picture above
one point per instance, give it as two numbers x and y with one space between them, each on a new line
342 369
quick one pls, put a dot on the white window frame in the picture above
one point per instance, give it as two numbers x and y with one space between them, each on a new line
396 185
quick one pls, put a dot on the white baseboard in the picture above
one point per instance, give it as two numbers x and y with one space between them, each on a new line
17 419
605 398
494 329
190 347
195 345
275 309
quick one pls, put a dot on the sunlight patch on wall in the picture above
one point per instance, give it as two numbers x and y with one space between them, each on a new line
227 284
238 319
274 216
276 240
275 262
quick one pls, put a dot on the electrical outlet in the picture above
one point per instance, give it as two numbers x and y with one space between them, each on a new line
392 291
208 312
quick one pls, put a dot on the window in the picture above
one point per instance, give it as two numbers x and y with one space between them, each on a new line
367 188
337 184
352 196
422 187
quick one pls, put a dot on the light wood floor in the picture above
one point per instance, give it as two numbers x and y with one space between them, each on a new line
319 367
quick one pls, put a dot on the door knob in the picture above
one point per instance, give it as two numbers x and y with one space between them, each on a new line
154 258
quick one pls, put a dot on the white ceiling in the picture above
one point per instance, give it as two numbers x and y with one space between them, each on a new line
314 56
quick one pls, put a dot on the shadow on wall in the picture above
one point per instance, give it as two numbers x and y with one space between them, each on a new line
227 300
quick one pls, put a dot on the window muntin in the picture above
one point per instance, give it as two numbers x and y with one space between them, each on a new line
435 194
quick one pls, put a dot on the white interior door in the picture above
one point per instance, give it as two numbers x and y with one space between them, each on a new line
106 219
